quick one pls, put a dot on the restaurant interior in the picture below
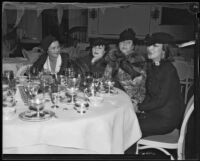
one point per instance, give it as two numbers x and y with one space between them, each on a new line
76 25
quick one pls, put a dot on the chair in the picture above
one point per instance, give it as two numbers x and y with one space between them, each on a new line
186 74
22 70
172 140
78 33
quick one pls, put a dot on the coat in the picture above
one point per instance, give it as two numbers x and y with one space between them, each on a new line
125 69
163 104
66 63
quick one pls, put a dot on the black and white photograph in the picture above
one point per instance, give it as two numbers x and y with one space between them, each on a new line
100 80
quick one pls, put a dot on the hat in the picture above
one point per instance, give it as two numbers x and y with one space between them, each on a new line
98 41
46 42
159 37
127 34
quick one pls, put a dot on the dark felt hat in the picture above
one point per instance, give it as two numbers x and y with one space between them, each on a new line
98 41
127 34
159 37
46 42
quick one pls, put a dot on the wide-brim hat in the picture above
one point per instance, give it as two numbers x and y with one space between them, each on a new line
161 38
127 34
46 42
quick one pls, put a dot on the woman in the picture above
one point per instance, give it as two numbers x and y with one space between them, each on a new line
52 61
129 65
163 105
95 62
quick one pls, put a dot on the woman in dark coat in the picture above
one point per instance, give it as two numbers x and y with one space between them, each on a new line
52 60
163 105
95 61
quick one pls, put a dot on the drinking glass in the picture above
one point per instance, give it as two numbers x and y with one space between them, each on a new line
54 100
54 94
9 91
37 104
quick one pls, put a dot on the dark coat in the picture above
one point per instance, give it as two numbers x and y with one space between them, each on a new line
163 104
38 65
87 67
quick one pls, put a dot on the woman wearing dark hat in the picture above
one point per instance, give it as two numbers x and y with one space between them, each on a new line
124 57
52 60
95 61
163 105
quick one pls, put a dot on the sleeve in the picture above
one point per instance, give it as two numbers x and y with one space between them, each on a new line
166 84
129 68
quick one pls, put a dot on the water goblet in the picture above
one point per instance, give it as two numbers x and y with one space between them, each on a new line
54 94
37 104
54 100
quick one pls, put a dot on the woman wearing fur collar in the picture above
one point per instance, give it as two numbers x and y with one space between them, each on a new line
52 60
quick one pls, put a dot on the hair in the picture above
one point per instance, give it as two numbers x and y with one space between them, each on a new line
167 48
98 42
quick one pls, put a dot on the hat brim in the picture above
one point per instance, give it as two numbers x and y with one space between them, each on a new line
149 42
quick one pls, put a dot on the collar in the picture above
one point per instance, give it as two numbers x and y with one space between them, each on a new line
58 64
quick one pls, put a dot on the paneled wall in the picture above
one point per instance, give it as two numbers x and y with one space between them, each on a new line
32 24
144 19
77 17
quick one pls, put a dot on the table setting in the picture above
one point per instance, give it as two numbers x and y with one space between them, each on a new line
53 102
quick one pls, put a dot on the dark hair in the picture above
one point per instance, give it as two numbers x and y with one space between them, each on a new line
46 42
97 42
168 53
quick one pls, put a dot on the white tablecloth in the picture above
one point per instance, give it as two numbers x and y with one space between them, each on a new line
109 128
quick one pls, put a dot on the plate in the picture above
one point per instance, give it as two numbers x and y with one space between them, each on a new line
32 115
113 91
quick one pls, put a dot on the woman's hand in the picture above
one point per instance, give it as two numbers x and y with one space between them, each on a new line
137 80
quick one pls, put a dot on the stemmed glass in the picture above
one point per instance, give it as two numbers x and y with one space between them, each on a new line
109 84
54 94
9 91
73 86
38 103
8 75
33 89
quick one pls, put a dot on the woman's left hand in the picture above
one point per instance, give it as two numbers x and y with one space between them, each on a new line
137 80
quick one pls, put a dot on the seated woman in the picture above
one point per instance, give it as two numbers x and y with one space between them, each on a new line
52 60
128 65
163 105
95 61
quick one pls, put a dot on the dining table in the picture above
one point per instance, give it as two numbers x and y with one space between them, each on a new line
108 127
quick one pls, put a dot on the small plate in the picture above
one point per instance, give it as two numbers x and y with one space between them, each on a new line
32 115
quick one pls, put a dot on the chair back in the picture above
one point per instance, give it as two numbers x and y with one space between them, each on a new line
22 70
184 70
188 111
78 33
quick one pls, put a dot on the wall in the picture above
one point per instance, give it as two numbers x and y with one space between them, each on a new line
77 17
32 24
112 22
180 32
